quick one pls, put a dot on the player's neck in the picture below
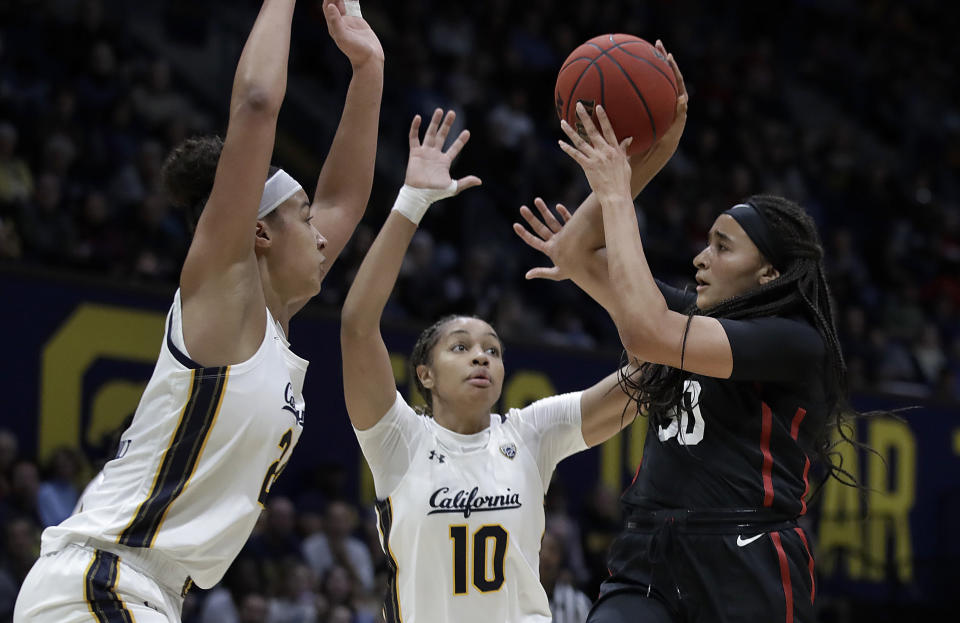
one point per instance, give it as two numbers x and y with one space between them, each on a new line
279 308
461 420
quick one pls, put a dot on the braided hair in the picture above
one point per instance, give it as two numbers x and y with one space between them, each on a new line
800 289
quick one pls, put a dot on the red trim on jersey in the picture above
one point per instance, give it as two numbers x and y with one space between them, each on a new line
784 575
795 426
795 433
767 470
813 585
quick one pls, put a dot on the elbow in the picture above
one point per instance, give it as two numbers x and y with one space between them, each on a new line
639 334
353 325
257 99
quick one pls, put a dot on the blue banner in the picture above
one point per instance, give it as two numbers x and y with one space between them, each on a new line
77 354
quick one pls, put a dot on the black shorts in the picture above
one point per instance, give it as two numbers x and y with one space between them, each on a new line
706 572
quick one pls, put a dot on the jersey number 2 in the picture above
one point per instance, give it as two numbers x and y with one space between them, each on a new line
686 424
461 556
276 467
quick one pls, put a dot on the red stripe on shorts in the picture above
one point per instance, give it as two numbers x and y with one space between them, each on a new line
813 586
784 575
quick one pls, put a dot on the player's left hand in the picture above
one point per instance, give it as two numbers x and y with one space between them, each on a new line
544 238
352 35
602 158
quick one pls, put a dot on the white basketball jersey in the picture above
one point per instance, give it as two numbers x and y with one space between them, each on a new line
194 468
461 516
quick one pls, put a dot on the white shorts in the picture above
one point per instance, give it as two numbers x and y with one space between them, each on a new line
82 584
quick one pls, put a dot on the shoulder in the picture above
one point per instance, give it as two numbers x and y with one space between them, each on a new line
793 333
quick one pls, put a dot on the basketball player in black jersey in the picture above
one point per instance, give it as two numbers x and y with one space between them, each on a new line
741 382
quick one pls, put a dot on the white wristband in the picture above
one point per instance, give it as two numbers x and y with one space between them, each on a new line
353 8
412 202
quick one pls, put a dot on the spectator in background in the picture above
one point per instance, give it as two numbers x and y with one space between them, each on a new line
341 591
16 181
336 545
22 500
8 456
21 546
57 495
567 604
295 600
277 545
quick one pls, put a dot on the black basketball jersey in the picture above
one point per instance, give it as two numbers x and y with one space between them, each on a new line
742 442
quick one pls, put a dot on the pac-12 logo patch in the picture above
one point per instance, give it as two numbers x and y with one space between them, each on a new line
509 450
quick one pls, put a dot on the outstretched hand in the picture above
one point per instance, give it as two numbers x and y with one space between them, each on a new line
429 165
543 238
352 34
602 158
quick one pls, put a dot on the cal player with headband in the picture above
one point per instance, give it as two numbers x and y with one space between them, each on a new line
742 381
460 489
223 410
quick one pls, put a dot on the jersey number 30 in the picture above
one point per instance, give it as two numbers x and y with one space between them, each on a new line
481 574
686 424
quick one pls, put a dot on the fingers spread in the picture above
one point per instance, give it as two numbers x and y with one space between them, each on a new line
467 182
415 132
548 218
535 224
430 139
529 238
445 128
605 126
458 144
564 213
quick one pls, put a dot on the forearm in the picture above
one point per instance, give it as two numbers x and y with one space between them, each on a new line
636 303
376 277
593 276
585 232
260 81
347 174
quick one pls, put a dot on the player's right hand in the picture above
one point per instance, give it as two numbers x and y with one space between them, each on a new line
352 34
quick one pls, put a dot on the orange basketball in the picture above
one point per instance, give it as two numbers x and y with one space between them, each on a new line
630 78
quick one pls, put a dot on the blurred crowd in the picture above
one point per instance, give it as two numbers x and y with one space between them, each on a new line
845 107
314 557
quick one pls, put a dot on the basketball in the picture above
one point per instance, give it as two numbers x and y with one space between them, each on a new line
626 75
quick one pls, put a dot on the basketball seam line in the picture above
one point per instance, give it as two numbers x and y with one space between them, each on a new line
643 100
603 101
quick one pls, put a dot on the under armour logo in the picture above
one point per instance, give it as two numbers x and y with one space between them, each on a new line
436 455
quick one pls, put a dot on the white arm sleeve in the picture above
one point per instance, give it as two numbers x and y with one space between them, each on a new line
553 427
388 445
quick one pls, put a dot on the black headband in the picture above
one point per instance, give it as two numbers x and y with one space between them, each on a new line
753 222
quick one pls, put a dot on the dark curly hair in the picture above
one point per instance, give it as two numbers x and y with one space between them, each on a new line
188 174
800 289
421 356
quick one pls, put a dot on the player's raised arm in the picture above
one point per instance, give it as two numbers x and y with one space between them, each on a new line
343 187
584 231
220 277
368 383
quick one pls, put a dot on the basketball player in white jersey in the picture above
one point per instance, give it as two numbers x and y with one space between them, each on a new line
223 409
460 489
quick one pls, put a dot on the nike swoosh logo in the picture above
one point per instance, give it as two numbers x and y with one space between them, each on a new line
743 542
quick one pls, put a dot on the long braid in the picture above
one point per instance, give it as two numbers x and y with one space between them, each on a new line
801 289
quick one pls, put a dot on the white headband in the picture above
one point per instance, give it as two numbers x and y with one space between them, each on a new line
278 189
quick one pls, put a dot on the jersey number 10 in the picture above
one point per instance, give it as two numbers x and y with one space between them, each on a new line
461 556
